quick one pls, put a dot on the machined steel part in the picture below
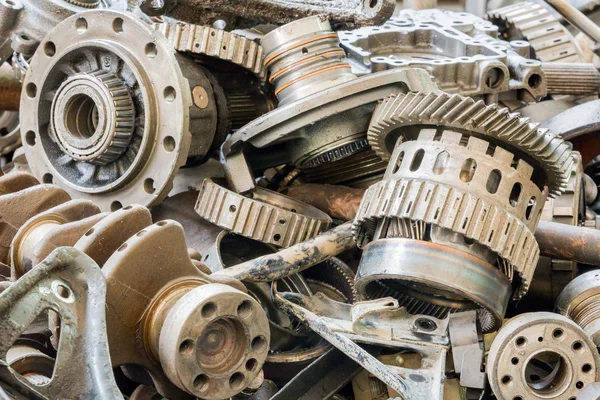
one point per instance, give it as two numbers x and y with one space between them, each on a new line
10 134
193 334
71 284
262 215
201 40
553 274
340 114
24 23
580 301
577 79
539 356
546 152
242 13
110 114
476 197
384 323
460 50
532 22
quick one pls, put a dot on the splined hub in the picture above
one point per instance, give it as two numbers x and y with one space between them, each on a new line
93 117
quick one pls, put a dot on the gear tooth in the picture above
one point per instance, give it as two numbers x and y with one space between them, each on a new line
460 112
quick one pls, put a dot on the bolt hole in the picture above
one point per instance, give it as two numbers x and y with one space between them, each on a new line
259 344
579 385
201 382
81 25
47 178
282 222
209 310
31 90
244 310
149 186
557 333
586 369
304 50
170 94
30 138
236 381
115 205
251 364
232 208
169 143
62 291
506 379
426 324
151 50
277 237
49 49
118 25
534 81
514 360
521 341
186 347
577 346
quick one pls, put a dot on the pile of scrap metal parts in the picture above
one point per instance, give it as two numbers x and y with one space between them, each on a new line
299 199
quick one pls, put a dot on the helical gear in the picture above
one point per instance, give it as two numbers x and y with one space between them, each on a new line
497 124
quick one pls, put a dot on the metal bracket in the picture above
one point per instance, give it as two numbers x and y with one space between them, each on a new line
69 283
467 349
383 323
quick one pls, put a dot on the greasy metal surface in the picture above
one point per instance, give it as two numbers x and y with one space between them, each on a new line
566 242
337 201
71 284
250 12
10 89
433 279
294 259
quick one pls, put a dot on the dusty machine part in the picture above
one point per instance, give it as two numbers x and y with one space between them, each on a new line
10 89
208 336
30 239
31 363
294 259
242 13
578 79
10 134
359 170
576 18
263 215
207 41
576 121
444 189
533 23
539 356
16 208
24 23
460 50
380 322
467 349
579 301
548 154
110 114
551 274
71 284
317 93
338 201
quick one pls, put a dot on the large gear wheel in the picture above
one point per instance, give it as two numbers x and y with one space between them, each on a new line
548 153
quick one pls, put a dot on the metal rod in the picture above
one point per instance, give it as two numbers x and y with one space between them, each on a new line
296 258
576 18
567 242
